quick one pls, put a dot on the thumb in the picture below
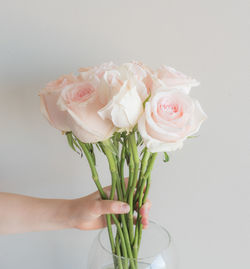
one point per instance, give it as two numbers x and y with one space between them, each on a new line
102 207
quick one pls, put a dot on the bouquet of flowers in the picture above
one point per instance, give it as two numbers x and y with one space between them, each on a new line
130 113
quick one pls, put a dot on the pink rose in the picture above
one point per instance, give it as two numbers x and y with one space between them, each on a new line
169 78
81 102
170 117
48 99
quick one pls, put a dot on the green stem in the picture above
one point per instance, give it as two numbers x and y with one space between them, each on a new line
92 167
100 189
143 168
119 229
122 162
116 178
142 199
131 171
146 190
143 202
136 160
106 144
147 174
144 162
118 251
122 216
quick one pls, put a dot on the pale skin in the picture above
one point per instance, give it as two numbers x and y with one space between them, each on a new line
21 213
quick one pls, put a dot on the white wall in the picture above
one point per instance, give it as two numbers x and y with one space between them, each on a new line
201 196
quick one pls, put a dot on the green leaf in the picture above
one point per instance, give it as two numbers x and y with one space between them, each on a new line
115 140
91 150
193 136
98 147
77 145
139 139
166 159
142 151
135 129
127 153
112 147
145 101
70 140
117 137
72 143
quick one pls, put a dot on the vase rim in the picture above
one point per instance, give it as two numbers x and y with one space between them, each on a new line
137 259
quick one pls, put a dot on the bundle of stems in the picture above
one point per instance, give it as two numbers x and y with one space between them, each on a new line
122 148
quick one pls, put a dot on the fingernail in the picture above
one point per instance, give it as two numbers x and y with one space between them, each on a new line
125 208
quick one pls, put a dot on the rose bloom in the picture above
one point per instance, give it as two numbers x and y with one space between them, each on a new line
82 103
170 117
122 92
169 78
48 99
72 105
87 73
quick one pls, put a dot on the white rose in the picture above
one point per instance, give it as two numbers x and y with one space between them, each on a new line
124 91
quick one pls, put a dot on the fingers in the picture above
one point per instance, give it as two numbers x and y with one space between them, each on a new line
107 190
144 212
102 207
146 207
126 181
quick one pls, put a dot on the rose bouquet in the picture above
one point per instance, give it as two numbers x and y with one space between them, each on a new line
130 113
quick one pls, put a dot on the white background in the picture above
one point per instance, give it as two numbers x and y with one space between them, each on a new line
203 195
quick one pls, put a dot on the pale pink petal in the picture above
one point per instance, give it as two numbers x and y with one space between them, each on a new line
153 144
52 112
87 125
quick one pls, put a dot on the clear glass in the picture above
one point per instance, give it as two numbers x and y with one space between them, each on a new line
156 251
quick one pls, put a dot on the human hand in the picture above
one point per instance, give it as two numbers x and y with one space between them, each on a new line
88 213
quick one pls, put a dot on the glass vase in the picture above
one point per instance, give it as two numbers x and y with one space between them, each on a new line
156 251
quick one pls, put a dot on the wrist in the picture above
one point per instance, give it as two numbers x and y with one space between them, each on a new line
67 214
74 213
